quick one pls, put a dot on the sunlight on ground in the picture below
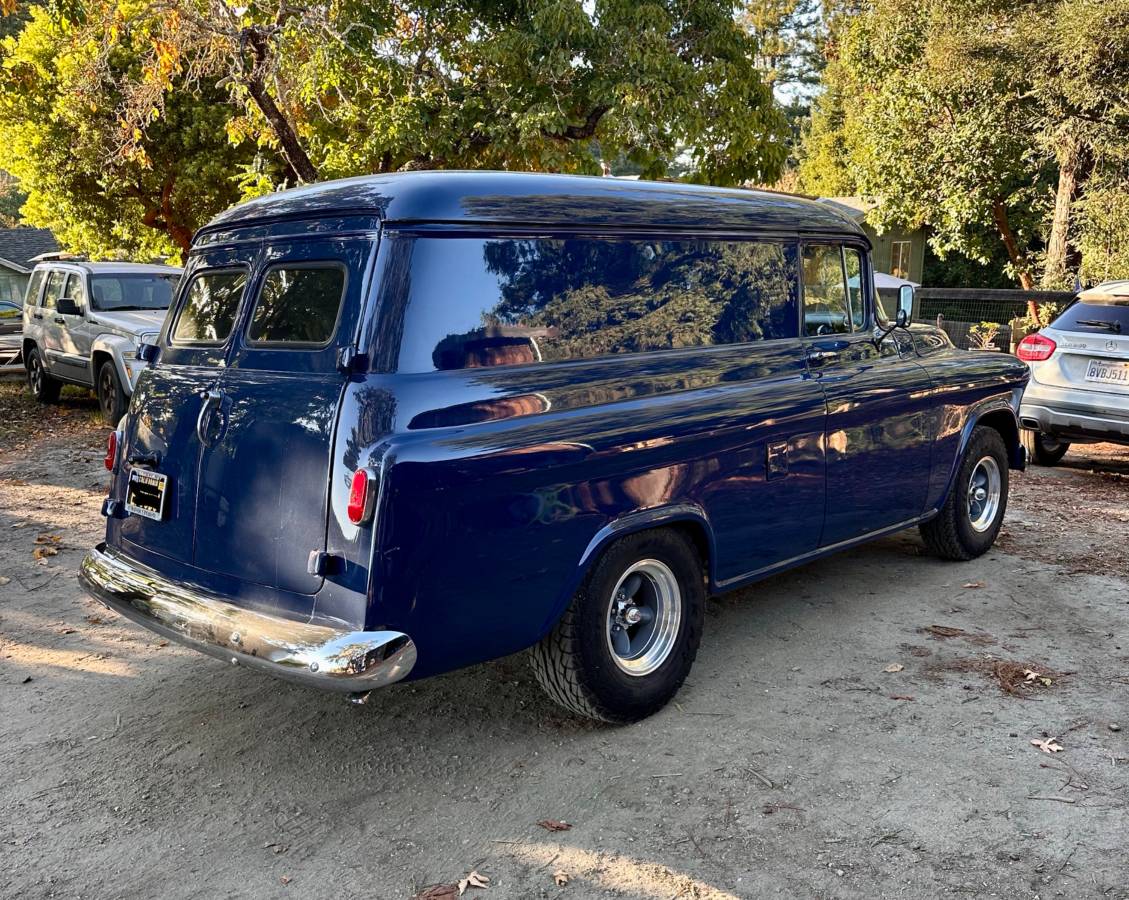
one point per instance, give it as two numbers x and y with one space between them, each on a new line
615 872
85 660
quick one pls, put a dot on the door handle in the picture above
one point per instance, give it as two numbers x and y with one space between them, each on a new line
60 320
821 356
204 420
37 315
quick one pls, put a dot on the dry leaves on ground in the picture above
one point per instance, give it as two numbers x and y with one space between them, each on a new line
554 825
560 877
40 554
973 585
893 667
438 892
1047 746
473 880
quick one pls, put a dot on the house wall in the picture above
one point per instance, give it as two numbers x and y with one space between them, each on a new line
884 249
13 285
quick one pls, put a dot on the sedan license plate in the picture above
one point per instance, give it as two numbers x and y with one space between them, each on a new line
1106 371
145 494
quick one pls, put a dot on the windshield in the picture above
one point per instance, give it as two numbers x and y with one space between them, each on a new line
109 293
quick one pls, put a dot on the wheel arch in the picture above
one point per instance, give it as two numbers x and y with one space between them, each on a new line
999 415
112 348
688 519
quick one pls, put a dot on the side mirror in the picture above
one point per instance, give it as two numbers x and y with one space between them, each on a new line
148 352
905 305
67 307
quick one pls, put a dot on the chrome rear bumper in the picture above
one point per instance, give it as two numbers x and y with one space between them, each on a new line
314 655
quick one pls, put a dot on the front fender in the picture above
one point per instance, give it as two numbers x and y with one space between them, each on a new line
119 349
630 523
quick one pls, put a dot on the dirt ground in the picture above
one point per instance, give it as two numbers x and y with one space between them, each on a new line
846 731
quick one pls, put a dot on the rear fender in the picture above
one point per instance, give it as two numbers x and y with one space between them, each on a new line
995 412
688 514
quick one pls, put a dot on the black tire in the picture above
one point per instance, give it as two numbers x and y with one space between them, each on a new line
112 400
957 532
43 387
1042 448
576 664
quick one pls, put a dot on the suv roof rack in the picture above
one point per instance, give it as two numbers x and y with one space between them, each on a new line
58 256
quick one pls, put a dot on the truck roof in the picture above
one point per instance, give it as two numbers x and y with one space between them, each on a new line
520 198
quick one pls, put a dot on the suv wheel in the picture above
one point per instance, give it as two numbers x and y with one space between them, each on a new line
627 641
111 398
43 387
1042 448
970 520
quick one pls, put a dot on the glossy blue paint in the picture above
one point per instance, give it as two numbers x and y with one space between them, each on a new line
503 476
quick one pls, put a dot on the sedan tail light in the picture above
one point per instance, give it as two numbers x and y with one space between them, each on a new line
1035 348
362 496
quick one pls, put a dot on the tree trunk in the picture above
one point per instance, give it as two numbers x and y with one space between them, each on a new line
999 214
292 148
1073 158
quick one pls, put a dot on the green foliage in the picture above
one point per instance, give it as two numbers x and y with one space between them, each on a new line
61 136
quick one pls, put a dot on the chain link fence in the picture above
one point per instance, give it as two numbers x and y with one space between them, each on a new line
961 309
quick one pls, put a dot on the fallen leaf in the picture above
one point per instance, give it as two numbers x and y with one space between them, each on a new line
1047 746
47 539
560 877
973 585
900 697
4 579
473 880
438 892
554 825
1031 675
286 879
40 554
894 667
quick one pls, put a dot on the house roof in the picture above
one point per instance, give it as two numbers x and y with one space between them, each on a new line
855 207
19 245
518 198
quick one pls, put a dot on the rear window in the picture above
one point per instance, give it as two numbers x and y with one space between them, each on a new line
209 307
298 305
1107 318
474 302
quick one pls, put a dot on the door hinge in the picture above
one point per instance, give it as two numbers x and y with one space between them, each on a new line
350 361
321 563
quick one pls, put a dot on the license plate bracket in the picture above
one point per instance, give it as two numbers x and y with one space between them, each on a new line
146 494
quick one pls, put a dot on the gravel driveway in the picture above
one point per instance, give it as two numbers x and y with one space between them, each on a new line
859 727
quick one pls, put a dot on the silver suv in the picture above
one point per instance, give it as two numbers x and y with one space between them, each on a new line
83 323
1079 387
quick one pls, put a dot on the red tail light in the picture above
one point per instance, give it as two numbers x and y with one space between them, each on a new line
362 496
1035 348
111 451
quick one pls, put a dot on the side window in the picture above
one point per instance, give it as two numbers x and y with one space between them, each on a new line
208 311
473 302
54 288
31 298
74 290
298 305
855 286
826 309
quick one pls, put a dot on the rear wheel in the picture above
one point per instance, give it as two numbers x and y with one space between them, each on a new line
1042 448
111 398
43 387
628 640
970 520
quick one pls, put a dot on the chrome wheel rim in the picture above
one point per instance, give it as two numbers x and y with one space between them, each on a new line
644 614
984 488
34 374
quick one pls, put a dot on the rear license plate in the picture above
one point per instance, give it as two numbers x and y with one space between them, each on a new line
1108 372
145 494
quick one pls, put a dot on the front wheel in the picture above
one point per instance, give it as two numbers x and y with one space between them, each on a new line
627 641
1042 448
970 520
111 398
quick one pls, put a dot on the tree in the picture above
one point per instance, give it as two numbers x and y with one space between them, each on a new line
100 191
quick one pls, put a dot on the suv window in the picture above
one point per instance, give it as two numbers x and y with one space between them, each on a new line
74 290
54 288
31 298
1107 318
298 305
474 302
209 307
